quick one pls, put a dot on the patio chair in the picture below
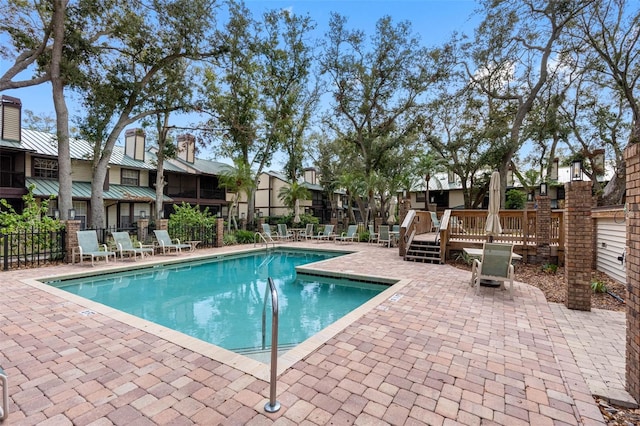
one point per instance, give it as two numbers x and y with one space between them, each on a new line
384 237
4 411
283 232
266 233
435 222
495 265
88 247
167 244
124 245
373 236
325 234
308 232
350 235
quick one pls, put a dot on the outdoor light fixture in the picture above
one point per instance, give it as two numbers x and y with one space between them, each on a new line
576 170
404 193
242 215
143 214
260 213
56 214
530 196
72 214
543 189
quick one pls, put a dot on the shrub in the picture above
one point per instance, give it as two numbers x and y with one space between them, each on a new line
515 199
363 236
229 239
244 237
550 268
598 286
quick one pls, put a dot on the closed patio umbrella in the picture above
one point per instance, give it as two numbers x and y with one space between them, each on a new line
493 227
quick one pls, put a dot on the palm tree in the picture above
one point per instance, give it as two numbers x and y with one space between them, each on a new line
237 180
291 196
429 164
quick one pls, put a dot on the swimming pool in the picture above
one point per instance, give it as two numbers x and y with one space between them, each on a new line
220 300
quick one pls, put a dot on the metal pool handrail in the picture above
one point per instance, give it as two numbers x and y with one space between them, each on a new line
272 406
266 243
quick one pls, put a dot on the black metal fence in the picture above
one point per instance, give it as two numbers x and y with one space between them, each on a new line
206 234
32 247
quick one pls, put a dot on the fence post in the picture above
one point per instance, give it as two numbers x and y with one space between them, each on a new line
5 248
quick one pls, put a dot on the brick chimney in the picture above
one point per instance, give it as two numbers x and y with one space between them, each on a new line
187 148
134 144
10 118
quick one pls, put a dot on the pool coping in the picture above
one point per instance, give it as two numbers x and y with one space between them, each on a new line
241 362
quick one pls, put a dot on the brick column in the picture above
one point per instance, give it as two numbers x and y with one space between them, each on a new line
143 229
543 229
632 158
577 245
162 224
71 241
220 232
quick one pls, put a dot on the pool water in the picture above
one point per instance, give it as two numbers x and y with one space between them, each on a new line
221 301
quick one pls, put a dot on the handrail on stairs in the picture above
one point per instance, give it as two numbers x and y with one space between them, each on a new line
272 406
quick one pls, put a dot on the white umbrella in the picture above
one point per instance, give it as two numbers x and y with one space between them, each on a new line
493 227
296 212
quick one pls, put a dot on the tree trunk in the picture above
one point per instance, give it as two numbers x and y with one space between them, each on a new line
65 180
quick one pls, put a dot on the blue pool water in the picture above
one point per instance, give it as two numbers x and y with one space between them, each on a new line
221 300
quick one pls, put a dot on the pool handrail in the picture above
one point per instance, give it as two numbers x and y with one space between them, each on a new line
266 243
272 406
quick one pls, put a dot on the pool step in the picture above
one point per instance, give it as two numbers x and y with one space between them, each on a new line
264 356
424 251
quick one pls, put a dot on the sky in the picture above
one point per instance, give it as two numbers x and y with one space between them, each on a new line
433 20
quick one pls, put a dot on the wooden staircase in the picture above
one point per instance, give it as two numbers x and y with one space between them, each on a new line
423 251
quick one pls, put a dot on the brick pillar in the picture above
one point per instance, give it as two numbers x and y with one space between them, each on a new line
632 258
162 224
220 232
543 229
577 245
143 229
71 241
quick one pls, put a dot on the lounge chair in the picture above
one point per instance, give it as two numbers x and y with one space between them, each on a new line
124 245
283 232
88 247
350 235
373 236
384 237
308 232
494 266
435 222
325 234
167 244
266 233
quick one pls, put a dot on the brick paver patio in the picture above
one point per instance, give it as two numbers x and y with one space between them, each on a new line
434 353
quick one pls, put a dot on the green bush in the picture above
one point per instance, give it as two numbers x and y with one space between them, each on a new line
363 236
229 239
288 220
515 199
550 268
244 237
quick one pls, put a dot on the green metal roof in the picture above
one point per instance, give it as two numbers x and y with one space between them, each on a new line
82 190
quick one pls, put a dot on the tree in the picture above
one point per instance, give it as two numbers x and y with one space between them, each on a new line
237 180
126 83
610 29
256 92
291 196
511 52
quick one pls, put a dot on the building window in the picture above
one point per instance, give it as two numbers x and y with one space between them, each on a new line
130 177
45 168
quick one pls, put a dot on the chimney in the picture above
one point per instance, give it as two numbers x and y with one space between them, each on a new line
187 148
10 118
310 175
134 141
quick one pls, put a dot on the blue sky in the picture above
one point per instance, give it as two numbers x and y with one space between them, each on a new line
433 20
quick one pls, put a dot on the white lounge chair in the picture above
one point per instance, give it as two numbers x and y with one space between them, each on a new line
266 233
283 232
350 235
384 237
124 245
167 244
88 247
308 232
325 234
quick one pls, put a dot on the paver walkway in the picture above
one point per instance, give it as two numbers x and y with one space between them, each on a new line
433 353
598 342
